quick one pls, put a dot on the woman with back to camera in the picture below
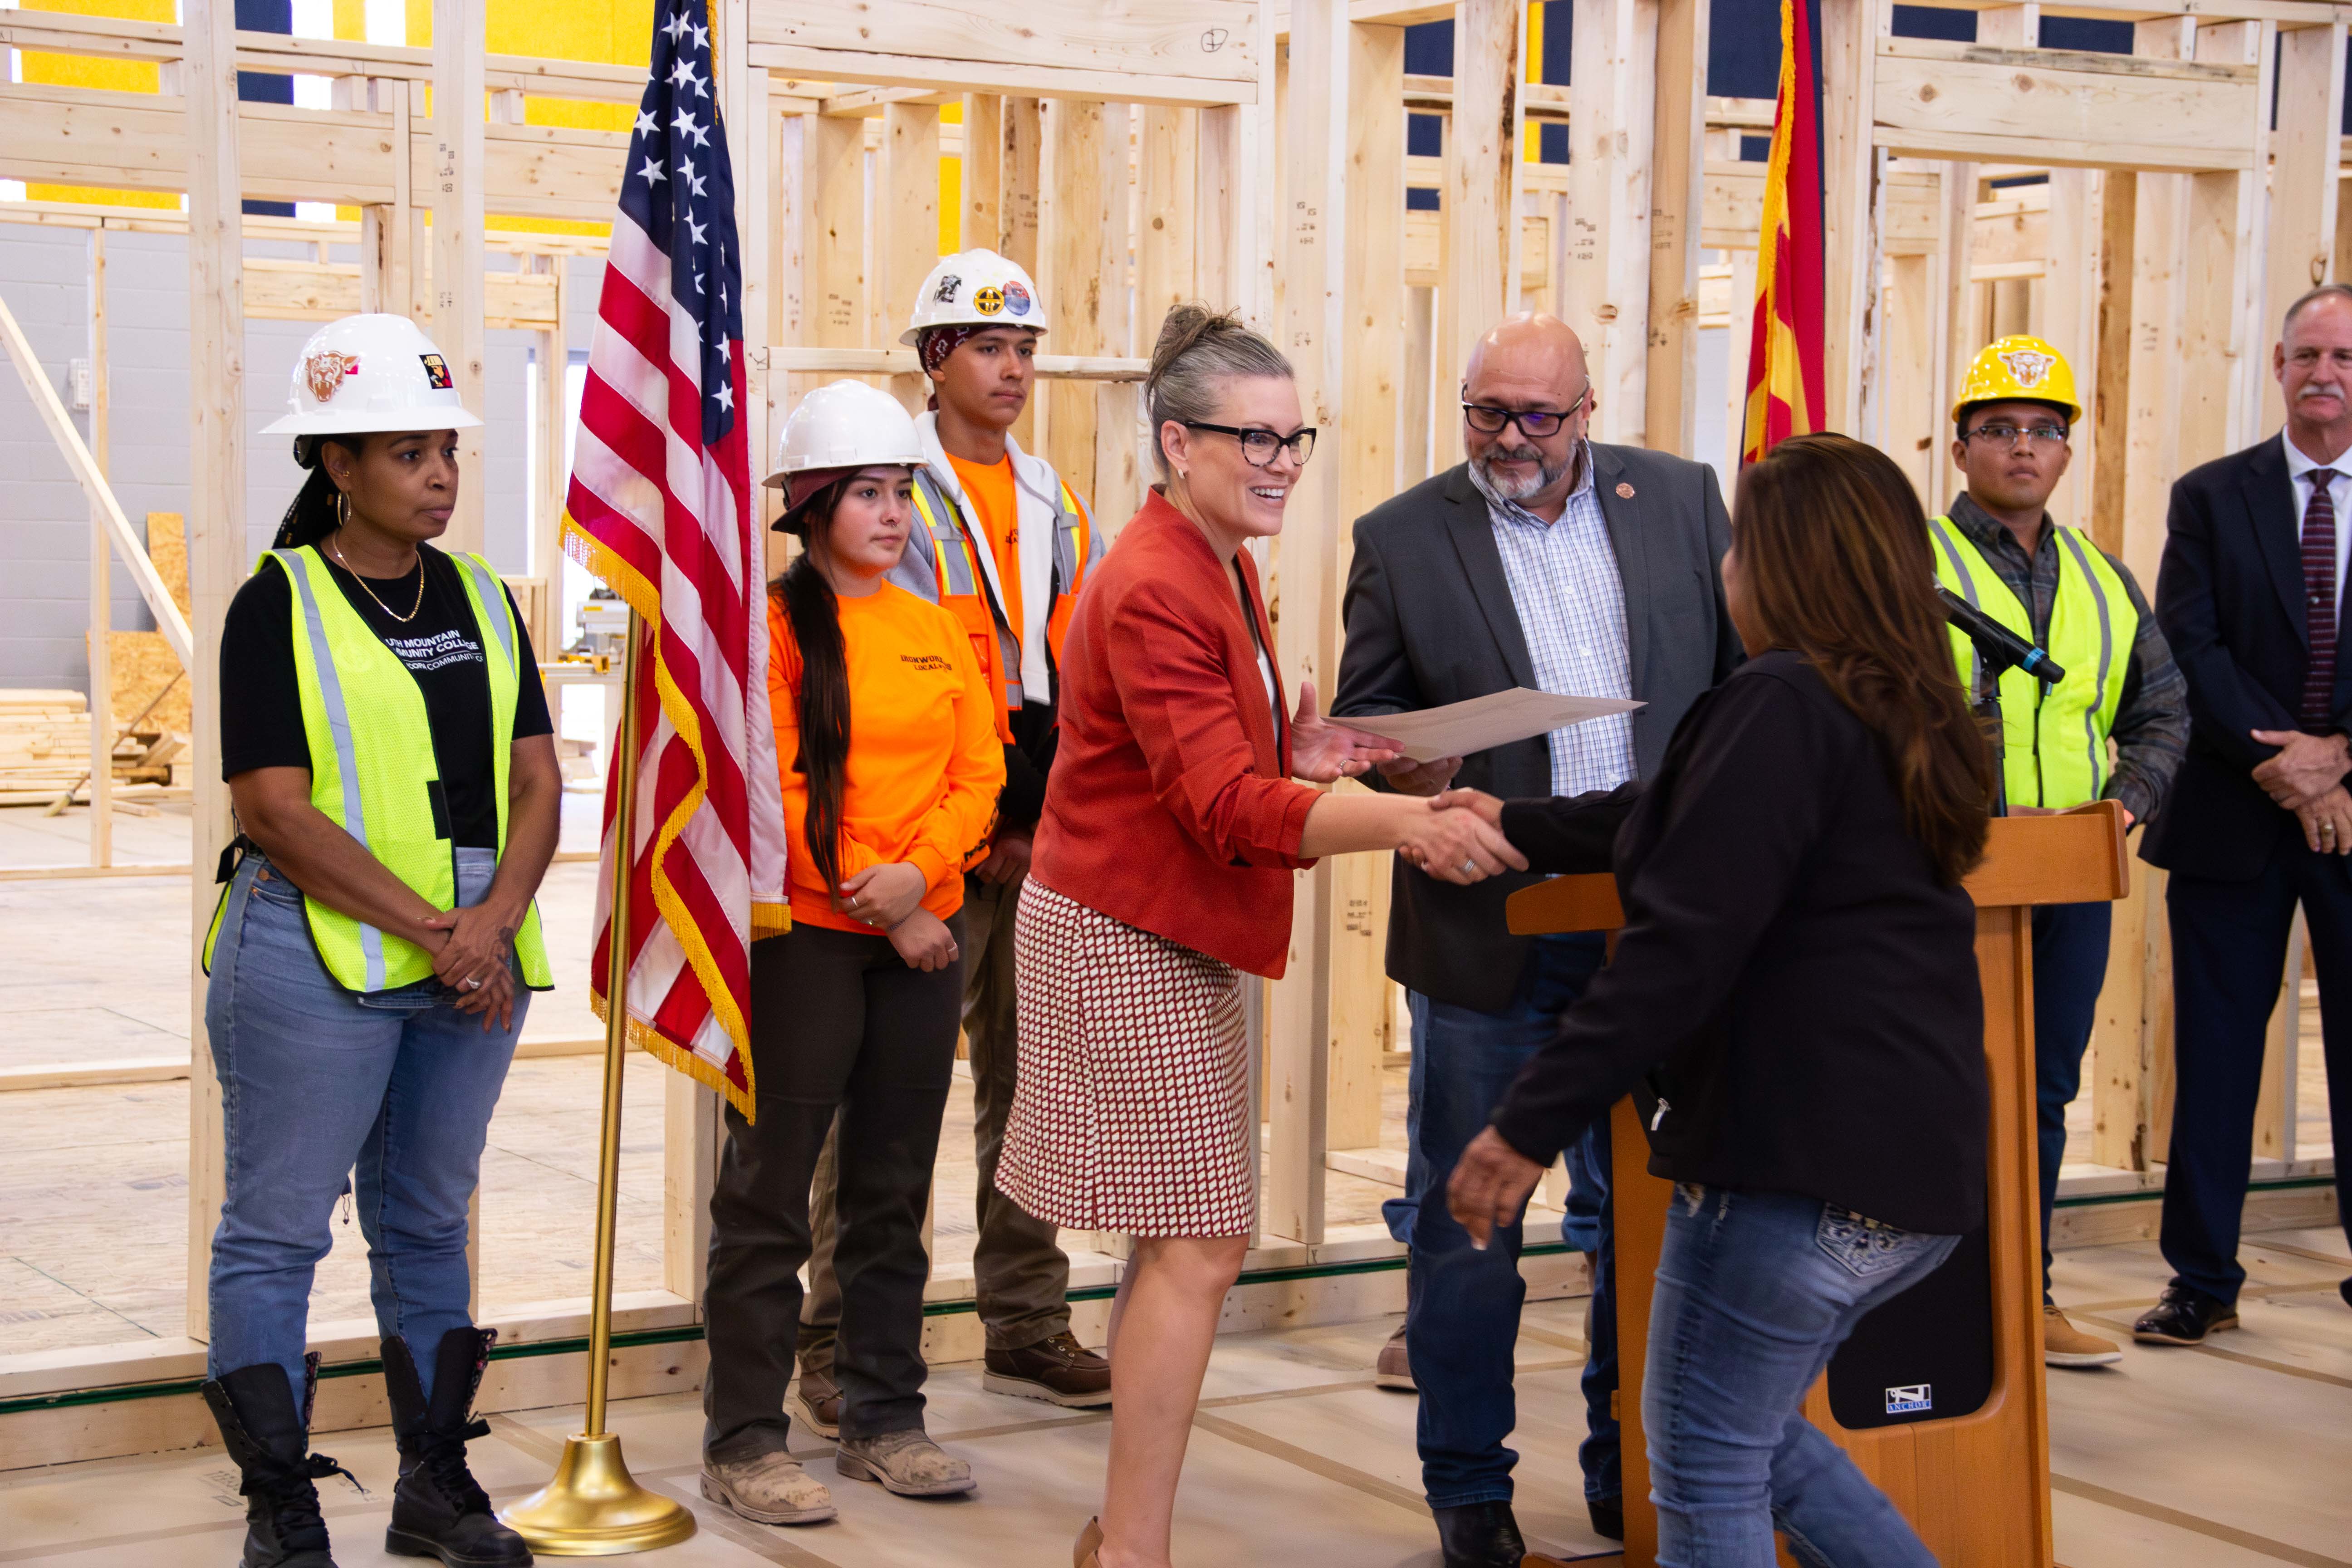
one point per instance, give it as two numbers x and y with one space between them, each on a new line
885 734
1161 872
1797 981
386 744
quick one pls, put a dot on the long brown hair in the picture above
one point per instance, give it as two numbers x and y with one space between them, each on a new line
1833 558
823 701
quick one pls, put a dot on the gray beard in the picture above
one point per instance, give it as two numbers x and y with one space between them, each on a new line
1517 489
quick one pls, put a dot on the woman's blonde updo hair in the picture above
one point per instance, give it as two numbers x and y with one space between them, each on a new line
1199 351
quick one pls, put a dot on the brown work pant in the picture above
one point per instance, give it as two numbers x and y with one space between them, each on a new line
1020 1272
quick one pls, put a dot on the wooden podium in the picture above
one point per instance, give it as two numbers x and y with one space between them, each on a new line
1977 1486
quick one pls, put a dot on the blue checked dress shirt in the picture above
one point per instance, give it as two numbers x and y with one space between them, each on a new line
1571 606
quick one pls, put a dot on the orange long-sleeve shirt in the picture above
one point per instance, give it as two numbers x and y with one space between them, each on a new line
925 765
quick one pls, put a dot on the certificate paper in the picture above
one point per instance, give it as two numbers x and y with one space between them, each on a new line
1459 729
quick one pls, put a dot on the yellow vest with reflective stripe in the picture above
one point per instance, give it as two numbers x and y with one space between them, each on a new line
963 587
2055 751
373 772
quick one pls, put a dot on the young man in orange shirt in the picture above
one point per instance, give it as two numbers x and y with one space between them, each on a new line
1005 544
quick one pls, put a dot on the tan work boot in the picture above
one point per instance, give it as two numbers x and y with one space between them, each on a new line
770 1488
820 1399
908 1463
1395 1368
2063 1344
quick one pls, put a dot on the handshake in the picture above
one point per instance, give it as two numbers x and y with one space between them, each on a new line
1460 839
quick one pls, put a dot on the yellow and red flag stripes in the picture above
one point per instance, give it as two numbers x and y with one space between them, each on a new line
1785 385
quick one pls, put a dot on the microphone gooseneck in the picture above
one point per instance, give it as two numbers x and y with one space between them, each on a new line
2000 648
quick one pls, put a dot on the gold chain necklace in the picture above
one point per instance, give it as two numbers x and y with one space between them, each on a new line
370 593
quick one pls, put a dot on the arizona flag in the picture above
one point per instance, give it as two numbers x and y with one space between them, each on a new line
660 508
1785 386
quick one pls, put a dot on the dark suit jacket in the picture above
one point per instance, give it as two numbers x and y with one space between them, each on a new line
2230 599
1430 621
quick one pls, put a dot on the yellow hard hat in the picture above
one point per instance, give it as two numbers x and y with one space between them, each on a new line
2019 369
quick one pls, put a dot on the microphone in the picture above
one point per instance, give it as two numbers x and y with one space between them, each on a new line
1999 647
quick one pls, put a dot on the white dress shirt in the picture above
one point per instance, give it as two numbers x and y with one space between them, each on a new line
2300 469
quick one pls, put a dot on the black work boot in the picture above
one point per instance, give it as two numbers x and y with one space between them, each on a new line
438 1509
1480 1535
269 1439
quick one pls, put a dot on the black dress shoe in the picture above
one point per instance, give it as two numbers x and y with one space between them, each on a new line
1480 1535
1608 1516
2184 1317
2345 1291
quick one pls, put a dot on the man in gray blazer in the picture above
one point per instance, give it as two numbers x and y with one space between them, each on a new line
1552 562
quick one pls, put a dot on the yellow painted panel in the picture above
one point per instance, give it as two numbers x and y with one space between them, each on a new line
351 20
114 76
1534 44
952 202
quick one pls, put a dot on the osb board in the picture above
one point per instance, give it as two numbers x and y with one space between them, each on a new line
143 662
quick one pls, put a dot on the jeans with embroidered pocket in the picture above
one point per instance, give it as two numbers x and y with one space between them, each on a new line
1755 1292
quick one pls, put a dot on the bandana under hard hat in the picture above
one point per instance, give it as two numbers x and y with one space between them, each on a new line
935 344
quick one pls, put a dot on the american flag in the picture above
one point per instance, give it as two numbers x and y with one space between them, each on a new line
660 509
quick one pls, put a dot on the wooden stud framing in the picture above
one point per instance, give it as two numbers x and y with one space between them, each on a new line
1076 276
456 195
2304 183
1482 170
101 592
1677 202
1614 90
907 215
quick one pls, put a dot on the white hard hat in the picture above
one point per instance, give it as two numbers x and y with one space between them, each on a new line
371 372
976 289
847 425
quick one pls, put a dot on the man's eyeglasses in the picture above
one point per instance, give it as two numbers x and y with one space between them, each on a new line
2005 435
1258 447
1536 424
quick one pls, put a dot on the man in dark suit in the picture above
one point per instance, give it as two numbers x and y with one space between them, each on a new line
1546 561
2251 597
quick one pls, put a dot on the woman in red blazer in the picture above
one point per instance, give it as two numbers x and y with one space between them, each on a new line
1162 871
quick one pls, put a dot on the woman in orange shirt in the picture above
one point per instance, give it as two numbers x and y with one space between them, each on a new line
890 770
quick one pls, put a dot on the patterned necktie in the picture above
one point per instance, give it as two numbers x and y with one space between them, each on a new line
2319 605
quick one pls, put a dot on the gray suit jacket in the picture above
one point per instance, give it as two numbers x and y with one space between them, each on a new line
1430 621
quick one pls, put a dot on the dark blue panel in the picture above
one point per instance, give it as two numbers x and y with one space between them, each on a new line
1424 135
265 87
1558 28
1429 49
2018 180
1743 48
1551 142
1934 22
269 209
2084 32
1756 149
1420 199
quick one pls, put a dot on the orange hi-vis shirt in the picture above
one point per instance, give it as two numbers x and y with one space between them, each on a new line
925 765
989 487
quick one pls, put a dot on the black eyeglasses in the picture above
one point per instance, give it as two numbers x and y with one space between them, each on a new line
2006 435
1258 447
1534 423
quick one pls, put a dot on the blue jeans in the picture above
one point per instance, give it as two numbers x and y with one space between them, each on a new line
1462 1314
1754 1290
316 1081
2070 965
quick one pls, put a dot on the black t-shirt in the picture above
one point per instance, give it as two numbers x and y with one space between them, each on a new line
261 697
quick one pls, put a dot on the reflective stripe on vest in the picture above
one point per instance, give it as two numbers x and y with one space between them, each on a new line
964 589
2055 749
378 779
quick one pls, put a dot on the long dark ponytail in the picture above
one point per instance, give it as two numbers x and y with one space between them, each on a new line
823 702
316 510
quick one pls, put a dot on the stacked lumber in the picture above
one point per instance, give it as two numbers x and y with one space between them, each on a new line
44 739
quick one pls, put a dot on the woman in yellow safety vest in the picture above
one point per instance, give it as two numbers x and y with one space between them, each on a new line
386 743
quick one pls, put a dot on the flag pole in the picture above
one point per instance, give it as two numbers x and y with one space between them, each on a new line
593 1507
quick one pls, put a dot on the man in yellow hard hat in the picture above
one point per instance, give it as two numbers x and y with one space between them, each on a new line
1999 548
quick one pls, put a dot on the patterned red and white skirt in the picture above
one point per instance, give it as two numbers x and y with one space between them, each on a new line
1132 1111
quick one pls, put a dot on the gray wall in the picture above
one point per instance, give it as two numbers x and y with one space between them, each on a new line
44 518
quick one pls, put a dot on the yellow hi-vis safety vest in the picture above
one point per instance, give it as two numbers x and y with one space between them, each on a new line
2055 738
963 586
374 773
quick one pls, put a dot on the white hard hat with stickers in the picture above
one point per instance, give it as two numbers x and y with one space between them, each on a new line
845 425
370 372
976 288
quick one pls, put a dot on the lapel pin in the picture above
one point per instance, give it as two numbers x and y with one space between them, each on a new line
1624 490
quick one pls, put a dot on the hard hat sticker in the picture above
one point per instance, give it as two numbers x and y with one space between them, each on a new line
2029 366
946 292
1016 298
325 371
987 301
436 371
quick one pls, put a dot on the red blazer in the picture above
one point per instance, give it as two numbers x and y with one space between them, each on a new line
1171 805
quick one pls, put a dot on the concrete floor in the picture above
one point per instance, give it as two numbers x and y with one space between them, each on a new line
2228 1456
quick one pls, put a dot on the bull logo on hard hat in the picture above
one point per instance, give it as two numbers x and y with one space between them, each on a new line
987 301
946 292
1016 298
2028 365
325 371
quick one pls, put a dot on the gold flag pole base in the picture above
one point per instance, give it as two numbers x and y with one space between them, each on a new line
595 1508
